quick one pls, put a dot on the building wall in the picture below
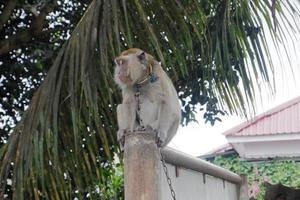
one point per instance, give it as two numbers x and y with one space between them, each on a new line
194 185
268 149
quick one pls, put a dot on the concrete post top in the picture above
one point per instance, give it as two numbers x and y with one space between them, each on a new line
145 136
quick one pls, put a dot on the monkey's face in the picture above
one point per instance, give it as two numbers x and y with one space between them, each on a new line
131 66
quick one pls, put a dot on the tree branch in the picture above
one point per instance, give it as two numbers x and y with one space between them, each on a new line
7 12
39 21
24 36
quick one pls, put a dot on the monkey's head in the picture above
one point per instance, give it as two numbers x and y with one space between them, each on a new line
132 66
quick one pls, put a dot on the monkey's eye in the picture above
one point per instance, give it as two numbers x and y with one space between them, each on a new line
142 56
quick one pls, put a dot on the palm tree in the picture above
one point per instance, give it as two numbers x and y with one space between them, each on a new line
213 50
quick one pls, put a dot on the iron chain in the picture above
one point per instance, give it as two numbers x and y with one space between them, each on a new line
165 168
138 111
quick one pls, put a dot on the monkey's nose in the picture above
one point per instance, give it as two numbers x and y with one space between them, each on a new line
120 61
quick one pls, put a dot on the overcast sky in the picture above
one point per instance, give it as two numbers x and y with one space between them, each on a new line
197 139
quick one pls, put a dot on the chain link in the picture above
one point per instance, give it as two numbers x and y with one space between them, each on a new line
165 168
138 110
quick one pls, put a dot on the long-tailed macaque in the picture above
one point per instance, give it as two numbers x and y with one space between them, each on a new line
138 73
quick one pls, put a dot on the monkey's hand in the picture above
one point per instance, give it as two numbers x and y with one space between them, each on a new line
121 137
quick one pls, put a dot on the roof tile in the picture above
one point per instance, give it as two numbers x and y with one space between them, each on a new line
282 119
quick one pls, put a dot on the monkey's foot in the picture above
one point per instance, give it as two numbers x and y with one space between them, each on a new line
140 129
160 139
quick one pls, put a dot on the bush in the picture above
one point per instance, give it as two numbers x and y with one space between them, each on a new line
286 172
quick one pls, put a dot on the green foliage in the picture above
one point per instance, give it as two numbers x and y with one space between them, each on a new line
113 186
286 172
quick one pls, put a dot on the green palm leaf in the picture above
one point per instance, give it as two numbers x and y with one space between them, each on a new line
210 49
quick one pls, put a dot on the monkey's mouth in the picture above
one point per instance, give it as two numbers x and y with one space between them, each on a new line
124 75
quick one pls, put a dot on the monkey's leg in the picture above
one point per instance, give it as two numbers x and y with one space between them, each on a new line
122 124
167 124
126 120
162 124
131 116
172 130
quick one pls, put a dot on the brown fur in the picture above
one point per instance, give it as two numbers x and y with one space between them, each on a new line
130 51
160 108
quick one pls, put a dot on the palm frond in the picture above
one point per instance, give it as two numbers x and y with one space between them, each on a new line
213 50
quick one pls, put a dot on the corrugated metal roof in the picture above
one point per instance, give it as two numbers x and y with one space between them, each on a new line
282 119
220 149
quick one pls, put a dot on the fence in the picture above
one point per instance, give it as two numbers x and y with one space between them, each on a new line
192 178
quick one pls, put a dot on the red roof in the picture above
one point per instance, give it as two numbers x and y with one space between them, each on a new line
283 119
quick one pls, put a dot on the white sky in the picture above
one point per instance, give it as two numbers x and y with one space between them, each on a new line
197 139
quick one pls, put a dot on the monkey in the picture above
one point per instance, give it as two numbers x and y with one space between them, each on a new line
149 98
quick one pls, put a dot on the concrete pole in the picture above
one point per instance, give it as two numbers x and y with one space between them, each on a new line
141 166
244 188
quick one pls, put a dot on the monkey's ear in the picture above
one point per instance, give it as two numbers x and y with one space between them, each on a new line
142 56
